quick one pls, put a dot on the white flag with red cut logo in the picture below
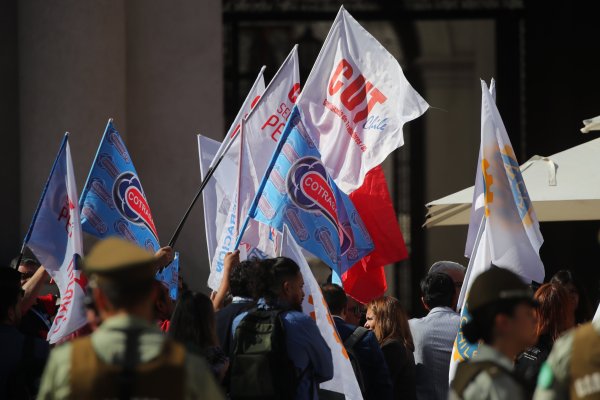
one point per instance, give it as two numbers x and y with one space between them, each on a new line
344 380
355 102
54 237
260 133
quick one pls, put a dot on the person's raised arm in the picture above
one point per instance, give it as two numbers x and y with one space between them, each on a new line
31 288
165 256
230 260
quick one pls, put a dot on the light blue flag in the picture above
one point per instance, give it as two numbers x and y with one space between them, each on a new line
298 192
169 276
113 202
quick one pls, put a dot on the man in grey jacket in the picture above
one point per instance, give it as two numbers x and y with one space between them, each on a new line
434 336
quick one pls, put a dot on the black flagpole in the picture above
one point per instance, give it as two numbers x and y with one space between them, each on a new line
209 174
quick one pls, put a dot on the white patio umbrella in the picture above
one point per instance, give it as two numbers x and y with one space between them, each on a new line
562 187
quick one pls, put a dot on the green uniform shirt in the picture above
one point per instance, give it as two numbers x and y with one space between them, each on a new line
500 386
554 378
109 343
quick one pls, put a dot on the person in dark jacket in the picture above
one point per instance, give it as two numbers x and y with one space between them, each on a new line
242 287
434 336
22 357
387 319
555 315
376 381
193 324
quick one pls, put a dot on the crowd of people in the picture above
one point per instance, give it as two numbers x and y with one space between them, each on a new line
251 339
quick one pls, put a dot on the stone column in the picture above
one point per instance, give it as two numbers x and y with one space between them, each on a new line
455 55
71 78
174 91
9 115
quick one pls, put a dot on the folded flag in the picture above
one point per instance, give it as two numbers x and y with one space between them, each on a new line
219 199
54 236
477 205
509 234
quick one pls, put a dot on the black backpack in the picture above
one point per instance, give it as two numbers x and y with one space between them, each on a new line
349 344
23 383
260 366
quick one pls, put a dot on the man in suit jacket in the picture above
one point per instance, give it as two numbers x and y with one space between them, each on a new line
434 336
375 375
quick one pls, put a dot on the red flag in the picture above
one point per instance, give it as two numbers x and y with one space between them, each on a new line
364 284
366 279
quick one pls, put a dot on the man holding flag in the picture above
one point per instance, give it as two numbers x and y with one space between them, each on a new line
278 352
127 357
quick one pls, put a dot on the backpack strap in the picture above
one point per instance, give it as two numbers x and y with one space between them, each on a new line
127 376
356 337
468 371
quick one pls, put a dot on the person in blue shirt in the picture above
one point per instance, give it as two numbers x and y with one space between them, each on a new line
376 381
283 289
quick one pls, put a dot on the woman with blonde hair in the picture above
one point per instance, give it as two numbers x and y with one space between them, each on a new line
387 319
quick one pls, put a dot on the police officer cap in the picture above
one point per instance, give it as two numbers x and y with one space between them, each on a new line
118 259
497 284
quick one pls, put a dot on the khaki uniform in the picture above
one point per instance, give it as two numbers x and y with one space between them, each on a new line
495 384
555 378
109 343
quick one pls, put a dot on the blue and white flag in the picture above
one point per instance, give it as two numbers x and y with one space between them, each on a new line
169 276
113 202
54 237
477 206
509 235
298 192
